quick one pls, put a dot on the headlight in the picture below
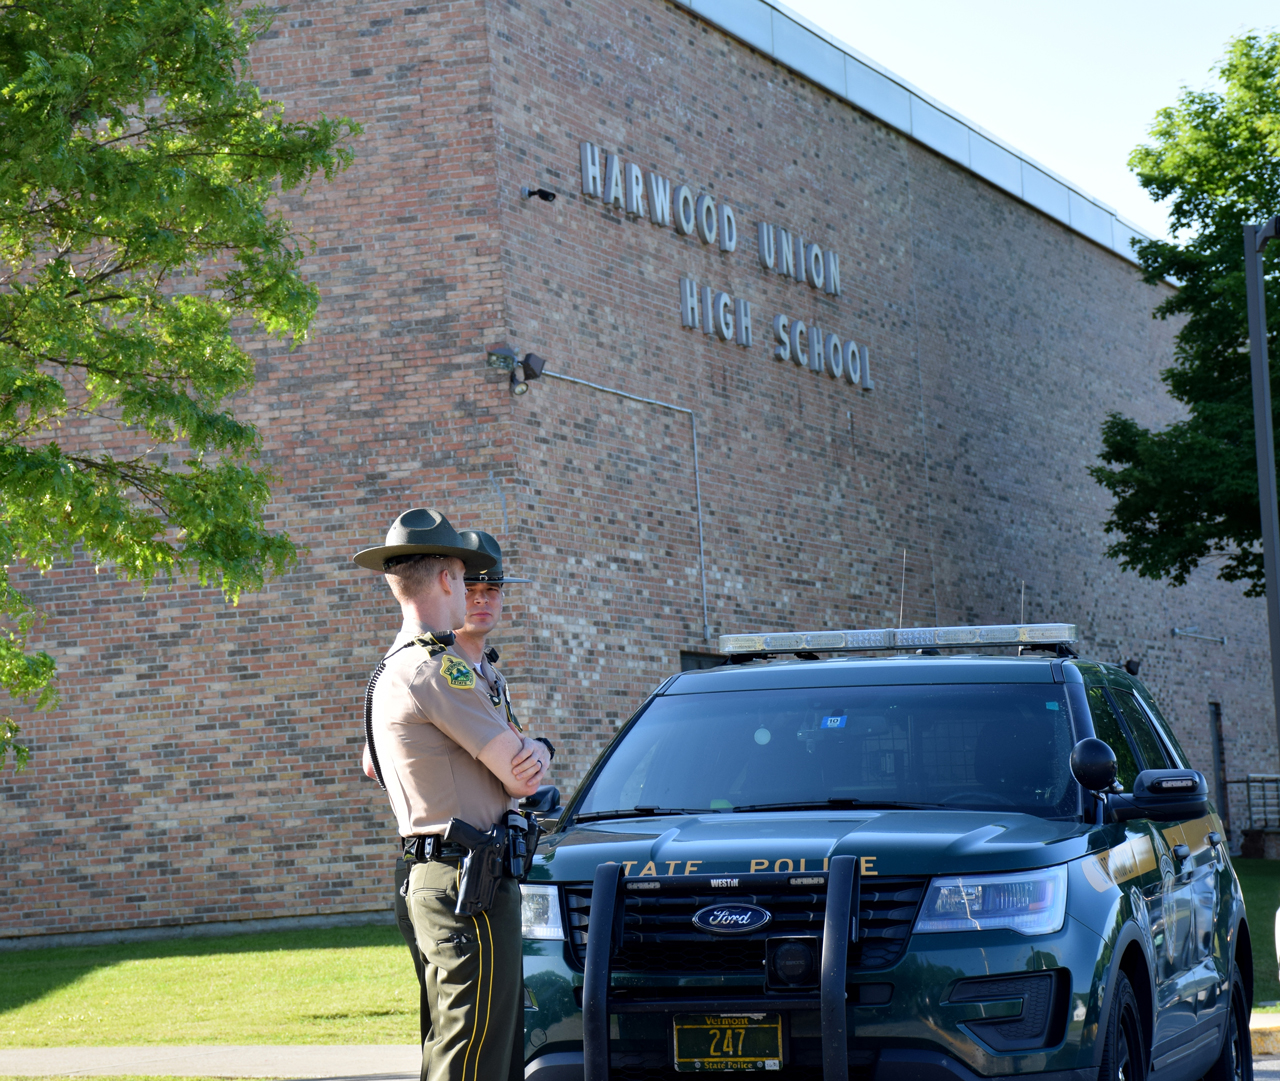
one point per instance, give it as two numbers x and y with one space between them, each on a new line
1030 902
540 912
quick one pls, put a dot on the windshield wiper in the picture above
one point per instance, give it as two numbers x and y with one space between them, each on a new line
837 804
643 812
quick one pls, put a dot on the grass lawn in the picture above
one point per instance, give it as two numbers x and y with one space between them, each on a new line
350 985
1260 881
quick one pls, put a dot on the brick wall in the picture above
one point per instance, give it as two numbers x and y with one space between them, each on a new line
202 765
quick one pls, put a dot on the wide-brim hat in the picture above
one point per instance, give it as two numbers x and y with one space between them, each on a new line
481 541
424 532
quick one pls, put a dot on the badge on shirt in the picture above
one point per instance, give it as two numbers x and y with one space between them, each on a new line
457 672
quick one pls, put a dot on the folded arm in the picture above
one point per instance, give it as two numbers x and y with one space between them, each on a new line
501 755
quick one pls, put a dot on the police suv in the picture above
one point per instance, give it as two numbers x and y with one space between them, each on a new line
921 866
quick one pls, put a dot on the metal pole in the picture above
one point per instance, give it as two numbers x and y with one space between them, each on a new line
697 481
1255 240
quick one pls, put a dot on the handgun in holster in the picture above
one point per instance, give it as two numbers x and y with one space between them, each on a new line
482 869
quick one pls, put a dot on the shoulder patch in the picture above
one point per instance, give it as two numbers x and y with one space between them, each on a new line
457 672
429 642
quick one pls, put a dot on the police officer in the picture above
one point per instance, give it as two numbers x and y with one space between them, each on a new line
442 748
484 610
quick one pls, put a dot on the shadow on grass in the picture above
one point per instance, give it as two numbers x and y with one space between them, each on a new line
27 976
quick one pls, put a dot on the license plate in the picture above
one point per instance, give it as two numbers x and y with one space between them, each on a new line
732 1041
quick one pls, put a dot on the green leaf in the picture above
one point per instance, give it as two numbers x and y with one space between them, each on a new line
138 164
1188 493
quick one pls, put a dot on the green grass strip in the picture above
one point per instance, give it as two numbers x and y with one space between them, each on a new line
349 985
1260 883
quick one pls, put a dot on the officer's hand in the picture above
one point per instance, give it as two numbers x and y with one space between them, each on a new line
531 761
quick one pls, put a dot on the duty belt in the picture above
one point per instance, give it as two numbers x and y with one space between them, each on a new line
423 848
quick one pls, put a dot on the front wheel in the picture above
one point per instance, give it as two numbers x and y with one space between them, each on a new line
1235 1063
1124 1055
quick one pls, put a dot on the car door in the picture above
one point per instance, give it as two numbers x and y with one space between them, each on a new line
1159 898
1201 970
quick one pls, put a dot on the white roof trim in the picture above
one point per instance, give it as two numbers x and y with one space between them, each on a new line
777 31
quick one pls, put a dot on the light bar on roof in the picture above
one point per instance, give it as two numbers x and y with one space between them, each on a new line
1011 634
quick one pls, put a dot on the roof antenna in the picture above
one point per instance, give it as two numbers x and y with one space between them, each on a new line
1022 613
902 588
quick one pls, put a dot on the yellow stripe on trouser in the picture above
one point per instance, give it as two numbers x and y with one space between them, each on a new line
488 1007
475 1009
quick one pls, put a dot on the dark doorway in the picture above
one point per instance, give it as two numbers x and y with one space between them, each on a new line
1219 765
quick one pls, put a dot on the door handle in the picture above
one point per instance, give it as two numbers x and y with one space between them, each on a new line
1181 852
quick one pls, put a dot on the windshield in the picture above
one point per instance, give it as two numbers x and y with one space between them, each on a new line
999 747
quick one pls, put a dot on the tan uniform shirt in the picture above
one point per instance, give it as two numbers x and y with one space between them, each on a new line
427 730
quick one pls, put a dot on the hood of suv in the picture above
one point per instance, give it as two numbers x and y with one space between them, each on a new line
891 842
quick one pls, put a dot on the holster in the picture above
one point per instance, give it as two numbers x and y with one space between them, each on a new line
506 851
482 869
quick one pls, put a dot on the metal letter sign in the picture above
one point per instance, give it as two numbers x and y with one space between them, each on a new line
718 313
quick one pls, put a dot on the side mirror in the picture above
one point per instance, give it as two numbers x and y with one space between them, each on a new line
1163 795
543 801
1093 764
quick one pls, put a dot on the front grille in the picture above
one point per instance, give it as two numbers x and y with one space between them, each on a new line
659 935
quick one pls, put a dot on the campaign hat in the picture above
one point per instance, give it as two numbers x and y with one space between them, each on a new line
486 542
424 532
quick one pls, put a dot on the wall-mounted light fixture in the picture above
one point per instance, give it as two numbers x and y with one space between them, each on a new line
503 357
529 368
541 193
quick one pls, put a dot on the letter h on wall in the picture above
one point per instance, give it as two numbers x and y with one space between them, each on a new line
590 169
688 303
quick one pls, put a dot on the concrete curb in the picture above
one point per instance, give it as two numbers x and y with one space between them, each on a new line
378 1062
1264 1033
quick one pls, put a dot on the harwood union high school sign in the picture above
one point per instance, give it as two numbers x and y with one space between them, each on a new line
626 187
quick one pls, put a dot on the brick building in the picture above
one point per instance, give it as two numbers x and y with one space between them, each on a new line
979 316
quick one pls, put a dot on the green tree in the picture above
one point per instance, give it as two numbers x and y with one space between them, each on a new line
1188 493
137 165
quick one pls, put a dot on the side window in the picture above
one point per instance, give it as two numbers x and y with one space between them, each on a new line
1106 725
1149 746
1180 759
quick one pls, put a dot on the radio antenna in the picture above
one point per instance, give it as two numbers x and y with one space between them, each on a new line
902 595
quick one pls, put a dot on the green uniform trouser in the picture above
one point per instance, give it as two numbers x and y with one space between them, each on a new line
474 977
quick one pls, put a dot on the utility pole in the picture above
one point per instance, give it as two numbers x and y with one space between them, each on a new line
1256 238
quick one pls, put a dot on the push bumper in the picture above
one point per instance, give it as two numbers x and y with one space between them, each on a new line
604 932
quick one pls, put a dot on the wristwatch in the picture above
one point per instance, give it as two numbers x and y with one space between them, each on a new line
547 744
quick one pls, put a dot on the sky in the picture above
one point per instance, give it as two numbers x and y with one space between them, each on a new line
1074 86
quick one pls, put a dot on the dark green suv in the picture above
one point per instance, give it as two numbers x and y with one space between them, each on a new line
919 866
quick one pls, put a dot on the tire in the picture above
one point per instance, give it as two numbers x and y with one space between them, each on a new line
1235 1063
1124 1055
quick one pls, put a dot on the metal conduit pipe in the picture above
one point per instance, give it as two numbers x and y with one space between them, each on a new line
697 480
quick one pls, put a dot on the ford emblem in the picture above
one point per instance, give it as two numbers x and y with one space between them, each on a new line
731 919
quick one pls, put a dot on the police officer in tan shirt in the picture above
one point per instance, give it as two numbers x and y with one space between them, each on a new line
484 610
443 749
